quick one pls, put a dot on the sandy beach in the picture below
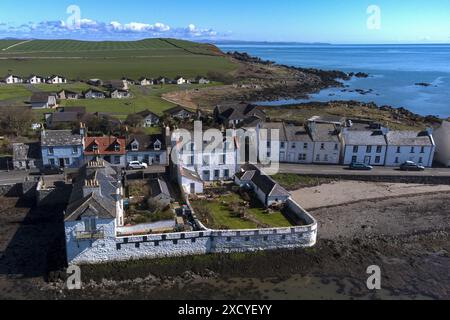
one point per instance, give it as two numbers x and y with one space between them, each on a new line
344 192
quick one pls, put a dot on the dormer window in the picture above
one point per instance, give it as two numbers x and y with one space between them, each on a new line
117 147
157 145
134 146
95 147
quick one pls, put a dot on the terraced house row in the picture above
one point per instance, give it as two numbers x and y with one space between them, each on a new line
65 149
340 141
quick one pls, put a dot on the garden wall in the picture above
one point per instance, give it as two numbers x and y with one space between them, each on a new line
113 248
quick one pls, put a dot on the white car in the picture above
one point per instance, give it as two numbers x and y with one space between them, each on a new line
136 165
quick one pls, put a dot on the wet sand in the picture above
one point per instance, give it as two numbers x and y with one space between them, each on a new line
407 237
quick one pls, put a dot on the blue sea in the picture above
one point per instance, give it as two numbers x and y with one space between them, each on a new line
394 72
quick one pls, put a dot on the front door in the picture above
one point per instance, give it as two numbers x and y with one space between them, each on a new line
291 157
62 163
367 160
192 188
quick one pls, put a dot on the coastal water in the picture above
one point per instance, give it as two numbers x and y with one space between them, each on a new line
395 72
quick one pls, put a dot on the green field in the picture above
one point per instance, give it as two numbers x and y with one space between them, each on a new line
143 98
78 60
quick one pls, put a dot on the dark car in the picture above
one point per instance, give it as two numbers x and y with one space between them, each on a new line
51 170
411 166
360 166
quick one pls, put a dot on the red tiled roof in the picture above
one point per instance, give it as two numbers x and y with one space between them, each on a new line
106 146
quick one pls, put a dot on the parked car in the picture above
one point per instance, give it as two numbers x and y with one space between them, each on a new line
411 166
360 166
51 170
137 165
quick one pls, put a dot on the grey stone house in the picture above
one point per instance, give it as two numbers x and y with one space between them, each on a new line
26 156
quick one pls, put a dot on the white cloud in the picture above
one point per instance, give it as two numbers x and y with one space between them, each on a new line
88 28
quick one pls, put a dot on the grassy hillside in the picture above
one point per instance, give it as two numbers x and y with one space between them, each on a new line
111 59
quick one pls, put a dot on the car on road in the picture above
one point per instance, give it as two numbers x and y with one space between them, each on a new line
137 165
49 170
411 166
360 166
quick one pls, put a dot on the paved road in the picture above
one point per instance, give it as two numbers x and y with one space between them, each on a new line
10 177
341 170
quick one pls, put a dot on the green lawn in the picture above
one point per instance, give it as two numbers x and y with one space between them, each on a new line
291 181
219 215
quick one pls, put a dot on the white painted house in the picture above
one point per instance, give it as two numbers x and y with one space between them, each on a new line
442 140
95 209
33 79
327 145
265 188
146 81
120 94
364 146
180 80
217 164
55 79
12 79
42 100
190 181
416 146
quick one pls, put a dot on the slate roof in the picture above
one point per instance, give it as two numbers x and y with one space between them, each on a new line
146 142
408 138
269 186
144 114
364 138
231 112
177 109
65 117
55 138
324 132
40 97
269 126
297 134
158 187
246 175
100 200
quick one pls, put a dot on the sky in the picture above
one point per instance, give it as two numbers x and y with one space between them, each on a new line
330 21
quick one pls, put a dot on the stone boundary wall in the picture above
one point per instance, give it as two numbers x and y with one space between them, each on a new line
115 248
